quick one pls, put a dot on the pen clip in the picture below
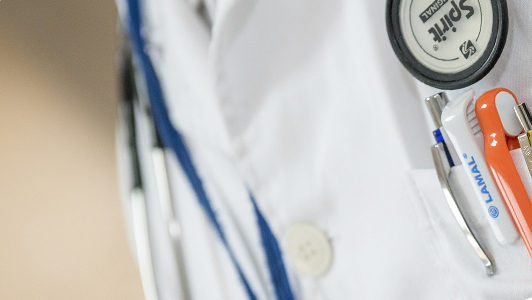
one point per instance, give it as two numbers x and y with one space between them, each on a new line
442 170
523 114
435 105
524 117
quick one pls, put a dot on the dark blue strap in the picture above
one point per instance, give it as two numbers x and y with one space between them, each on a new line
273 256
172 139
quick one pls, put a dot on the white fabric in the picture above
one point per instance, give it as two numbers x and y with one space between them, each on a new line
306 103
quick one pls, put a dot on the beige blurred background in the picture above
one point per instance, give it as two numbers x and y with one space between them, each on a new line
61 225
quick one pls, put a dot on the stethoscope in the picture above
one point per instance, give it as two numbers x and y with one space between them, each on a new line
135 104
134 101
143 93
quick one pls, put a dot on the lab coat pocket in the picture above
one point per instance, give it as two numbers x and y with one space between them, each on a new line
458 263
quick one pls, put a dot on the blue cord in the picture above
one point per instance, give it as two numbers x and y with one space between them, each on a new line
172 139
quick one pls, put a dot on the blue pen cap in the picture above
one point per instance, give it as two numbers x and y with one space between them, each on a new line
438 136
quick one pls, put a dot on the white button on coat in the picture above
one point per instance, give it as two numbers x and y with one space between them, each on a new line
308 249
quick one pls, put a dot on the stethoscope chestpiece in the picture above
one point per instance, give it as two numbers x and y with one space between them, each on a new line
447 44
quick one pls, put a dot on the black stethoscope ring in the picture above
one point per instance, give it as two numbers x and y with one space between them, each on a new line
447 44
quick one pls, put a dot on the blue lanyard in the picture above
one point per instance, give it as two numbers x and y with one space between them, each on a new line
172 139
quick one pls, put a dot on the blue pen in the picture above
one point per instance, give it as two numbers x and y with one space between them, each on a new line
435 104
444 148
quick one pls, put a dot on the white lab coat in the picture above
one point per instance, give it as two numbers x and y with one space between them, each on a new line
306 104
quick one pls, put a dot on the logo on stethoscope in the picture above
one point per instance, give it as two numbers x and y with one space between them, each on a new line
448 20
467 49
440 30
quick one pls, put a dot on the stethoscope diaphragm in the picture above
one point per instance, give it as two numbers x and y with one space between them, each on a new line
448 44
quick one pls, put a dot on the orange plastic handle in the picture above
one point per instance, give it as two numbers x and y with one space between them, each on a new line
502 166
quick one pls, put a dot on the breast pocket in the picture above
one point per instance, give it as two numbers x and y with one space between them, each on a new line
457 260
